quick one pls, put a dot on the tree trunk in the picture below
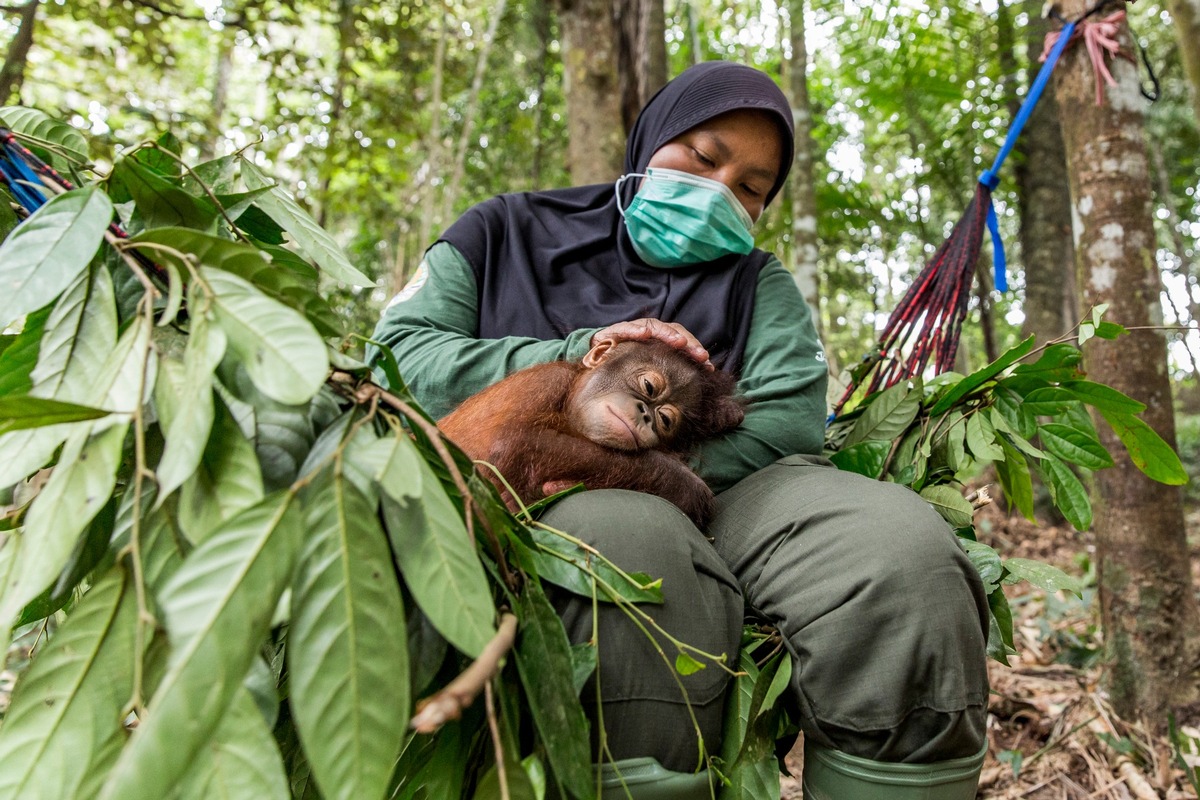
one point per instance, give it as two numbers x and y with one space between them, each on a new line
468 125
433 142
1044 201
642 53
1148 609
1186 14
12 74
220 92
347 40
805 253
596 146
541 24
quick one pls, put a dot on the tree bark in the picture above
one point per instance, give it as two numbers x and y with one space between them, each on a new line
805 245
347 40
1186 14
1044 202
12 74
1148 608
220 92
596 146
642 53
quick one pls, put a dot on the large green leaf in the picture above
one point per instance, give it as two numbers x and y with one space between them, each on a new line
239 762
310 237
22 412
986 561
347 645
49 250
544 663
64 728
226 481
38 129
1013 473
1147 449
80 333
981 438
391 465
567 564
1068 492
977 379
282 353
517 784
751 779
19 359
217 609
1104 398
78 488
888 415
188 419
160 202
865 458
1042 575
1074 445
947 501
440 566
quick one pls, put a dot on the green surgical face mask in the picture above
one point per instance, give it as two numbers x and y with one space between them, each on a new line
677 219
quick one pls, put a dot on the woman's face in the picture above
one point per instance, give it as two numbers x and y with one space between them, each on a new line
739 148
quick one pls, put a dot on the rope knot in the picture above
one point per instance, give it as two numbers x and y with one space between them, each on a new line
1100 38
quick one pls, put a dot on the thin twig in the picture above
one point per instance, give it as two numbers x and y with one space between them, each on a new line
115 242
448 704
497 745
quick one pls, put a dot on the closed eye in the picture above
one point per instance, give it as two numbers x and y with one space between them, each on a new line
703 159
665 420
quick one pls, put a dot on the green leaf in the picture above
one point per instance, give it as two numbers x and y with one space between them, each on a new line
1012 407
310 237
187 417
347 649
22 412
63 729
865 458
1000 632
160 202
544 663
1109 330
888 415
584 658
283 355
20 357
78 488
1146 448
977 379
80 334
48 251
217 175
239 761
981 438
749 778
1076 446
1068 493
1017 439
517 783
1059 362
986 562
1103 398
440 565
217 609
1042 575
392 464
1014 477
226 481
567 564
39 130
1048 401
948 502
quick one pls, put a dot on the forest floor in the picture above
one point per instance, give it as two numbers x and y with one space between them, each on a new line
1052 733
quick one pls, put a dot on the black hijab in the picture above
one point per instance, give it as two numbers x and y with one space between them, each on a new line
547 263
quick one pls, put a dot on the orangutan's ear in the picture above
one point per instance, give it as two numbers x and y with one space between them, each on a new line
600 351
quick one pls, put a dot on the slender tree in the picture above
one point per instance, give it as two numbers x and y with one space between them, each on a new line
587 36
1148 608
1044 200
642 53
12 73
1186 14
804 251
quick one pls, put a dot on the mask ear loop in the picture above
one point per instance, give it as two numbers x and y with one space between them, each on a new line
617 188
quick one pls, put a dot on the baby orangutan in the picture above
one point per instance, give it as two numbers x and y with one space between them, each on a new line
625 417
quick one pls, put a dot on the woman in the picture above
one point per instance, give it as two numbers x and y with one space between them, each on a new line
883 614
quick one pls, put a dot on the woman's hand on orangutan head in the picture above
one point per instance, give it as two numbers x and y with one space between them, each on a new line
642 330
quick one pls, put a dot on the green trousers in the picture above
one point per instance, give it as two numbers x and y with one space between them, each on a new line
883 614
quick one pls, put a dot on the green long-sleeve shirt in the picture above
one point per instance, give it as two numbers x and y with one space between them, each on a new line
432 326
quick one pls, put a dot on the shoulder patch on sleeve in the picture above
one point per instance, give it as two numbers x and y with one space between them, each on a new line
414 284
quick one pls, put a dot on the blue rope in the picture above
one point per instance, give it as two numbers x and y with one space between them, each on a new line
990 179
18 175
